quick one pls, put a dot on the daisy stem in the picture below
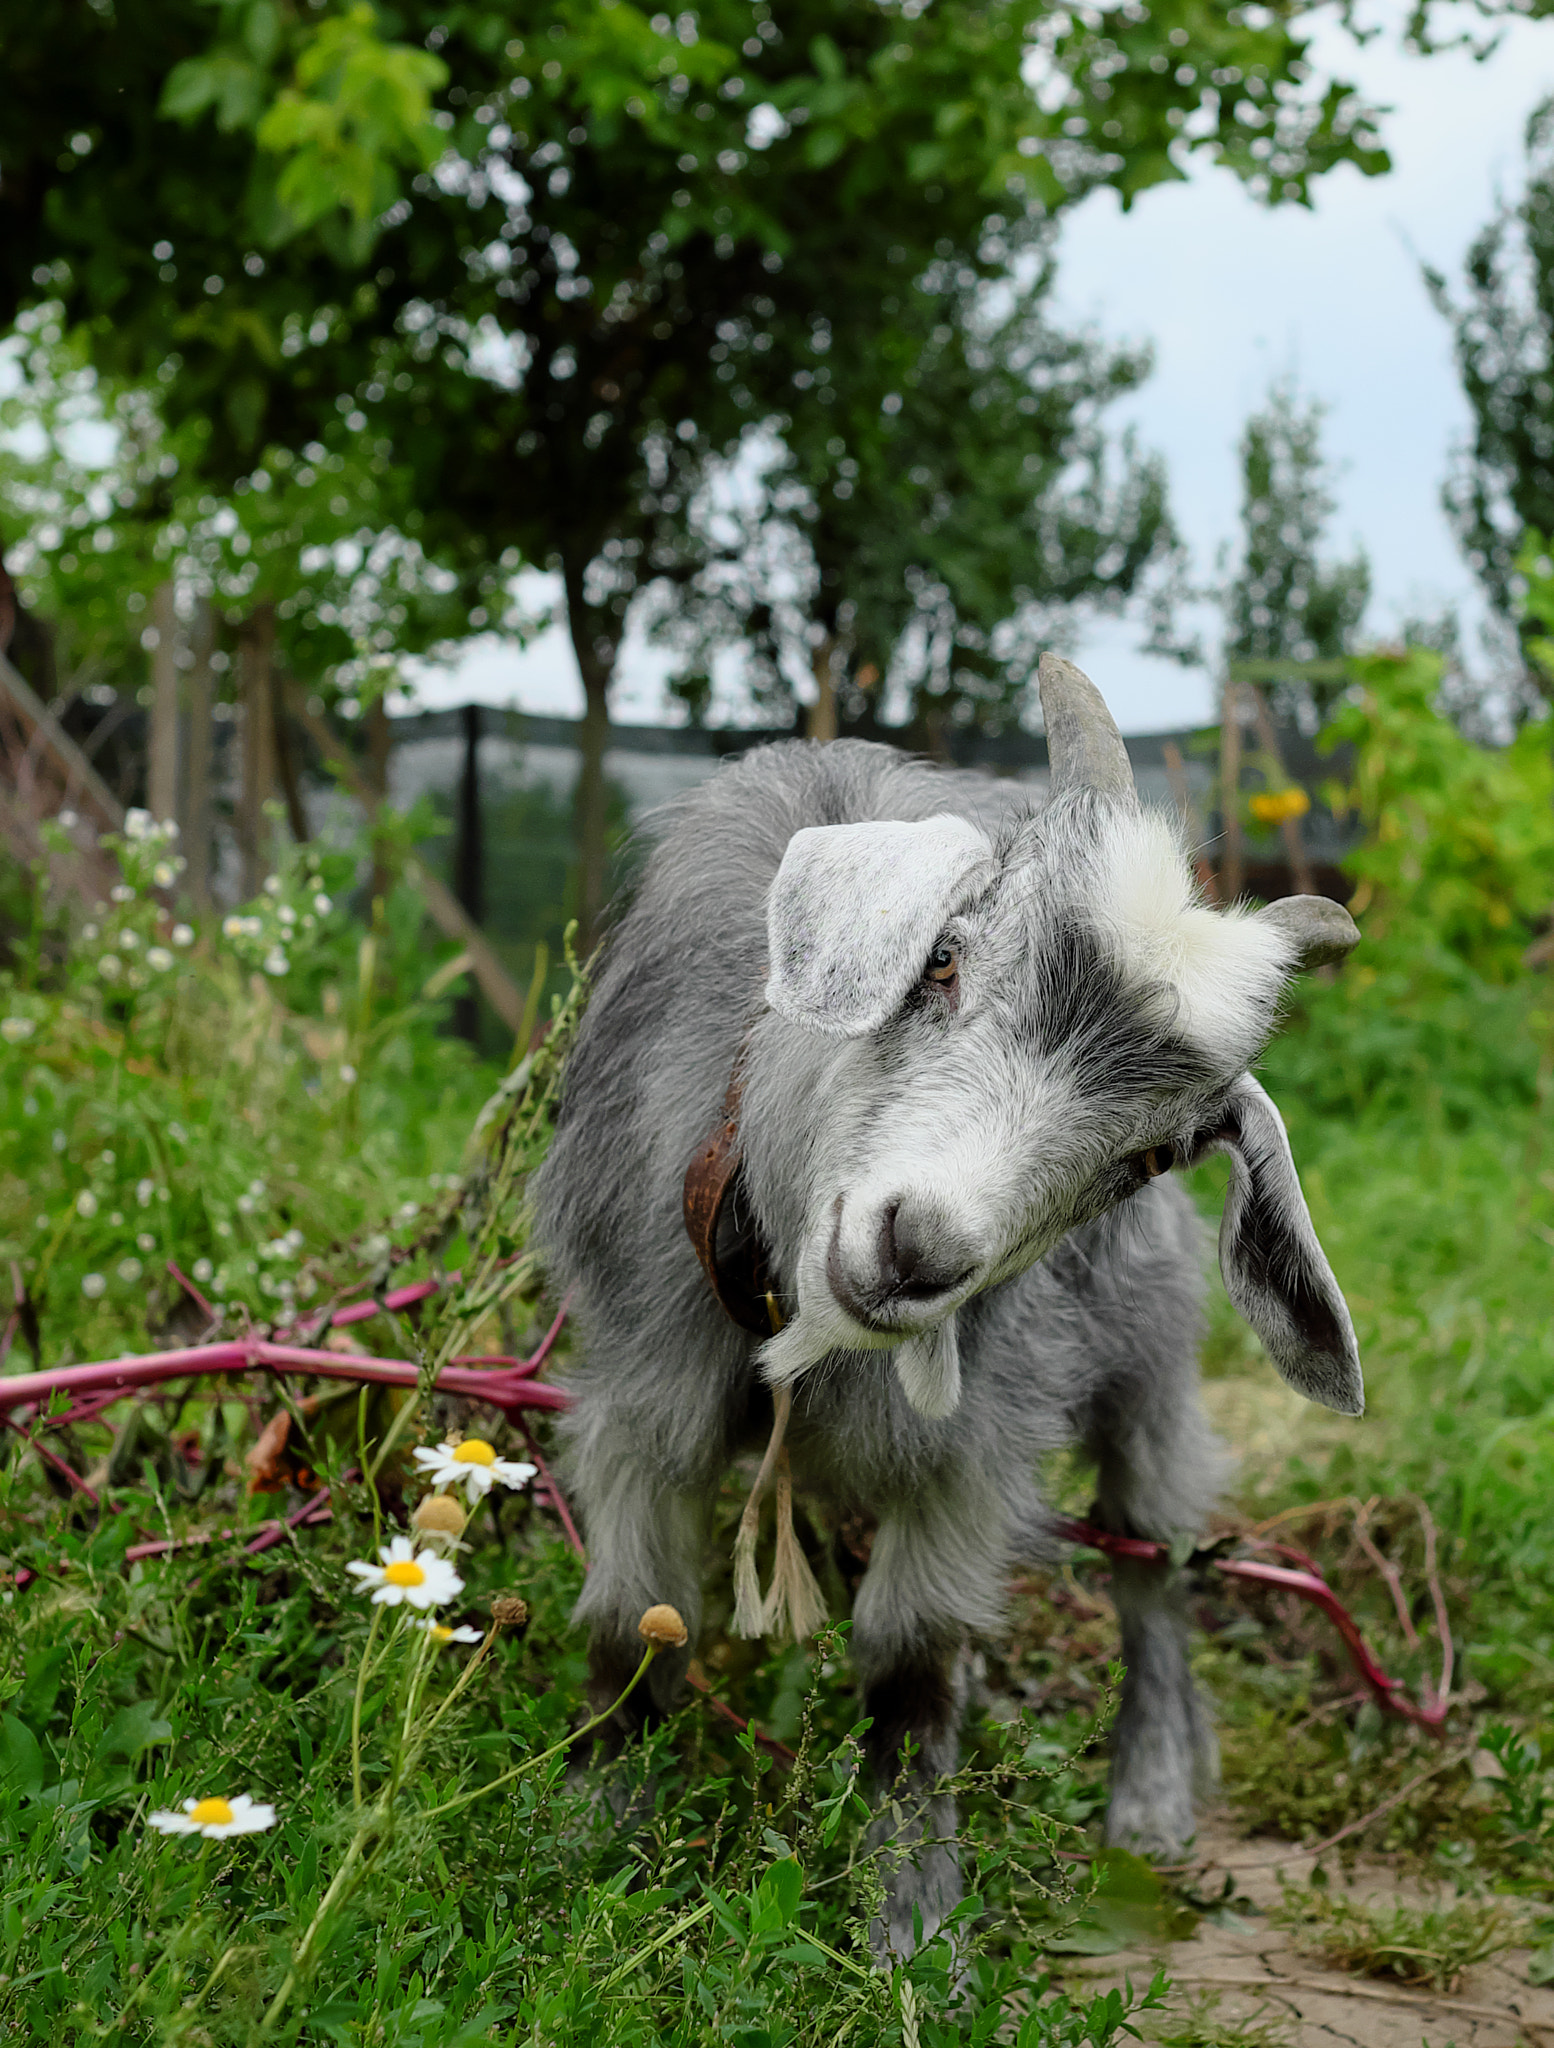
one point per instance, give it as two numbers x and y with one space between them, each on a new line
363 1461
356 1706
396 1429
345 1879
532 1763
464 1678
426 1649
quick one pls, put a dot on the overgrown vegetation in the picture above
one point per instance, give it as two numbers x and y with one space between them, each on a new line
275 1106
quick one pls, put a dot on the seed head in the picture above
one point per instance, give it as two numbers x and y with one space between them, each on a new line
663 1628
440 1515
508 1611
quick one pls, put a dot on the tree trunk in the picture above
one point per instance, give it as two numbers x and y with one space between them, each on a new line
469 868
380 741
162 748
256 680
197 820
502 993
595 651
821 723
286 765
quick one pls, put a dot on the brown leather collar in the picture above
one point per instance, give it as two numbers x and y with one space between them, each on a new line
721 1226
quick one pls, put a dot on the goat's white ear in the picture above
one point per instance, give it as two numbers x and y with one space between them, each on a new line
1275 1271
854 913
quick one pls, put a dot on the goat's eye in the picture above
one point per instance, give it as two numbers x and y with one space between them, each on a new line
1157 1160
943 966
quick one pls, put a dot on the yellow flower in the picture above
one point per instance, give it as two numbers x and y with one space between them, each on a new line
1273 806
439 1633
215 1818
472 1464
420 1577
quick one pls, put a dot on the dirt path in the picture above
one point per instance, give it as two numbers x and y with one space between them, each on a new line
1258 1974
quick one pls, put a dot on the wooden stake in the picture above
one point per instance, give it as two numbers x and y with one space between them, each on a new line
1233 864
1181 792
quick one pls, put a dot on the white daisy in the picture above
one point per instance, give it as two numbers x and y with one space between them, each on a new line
472 1464
441 1634
419 1576
215 1818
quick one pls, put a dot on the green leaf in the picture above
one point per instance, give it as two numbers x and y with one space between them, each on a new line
130 1731
827 59
224 80
782 1887
21 1759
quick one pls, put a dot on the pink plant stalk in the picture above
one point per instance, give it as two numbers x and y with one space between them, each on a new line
510 1387
1307 1584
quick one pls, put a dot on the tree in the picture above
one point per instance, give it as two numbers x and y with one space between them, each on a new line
299 572
532 285
1284 603
1503 340
920 550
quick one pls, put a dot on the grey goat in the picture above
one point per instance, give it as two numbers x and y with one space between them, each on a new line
972 1037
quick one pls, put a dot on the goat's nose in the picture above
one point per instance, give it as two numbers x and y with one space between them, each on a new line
918 1257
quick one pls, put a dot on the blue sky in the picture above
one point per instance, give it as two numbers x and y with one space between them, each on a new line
1233 296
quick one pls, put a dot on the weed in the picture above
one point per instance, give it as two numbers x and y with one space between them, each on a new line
1417 1944
1201 2026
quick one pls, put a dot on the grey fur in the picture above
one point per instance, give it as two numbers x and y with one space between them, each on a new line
1080 1324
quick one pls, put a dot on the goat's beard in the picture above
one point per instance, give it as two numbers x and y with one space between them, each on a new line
927 1362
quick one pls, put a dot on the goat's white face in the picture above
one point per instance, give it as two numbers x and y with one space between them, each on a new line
1033 1030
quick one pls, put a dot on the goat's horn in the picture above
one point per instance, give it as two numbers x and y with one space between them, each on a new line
1084 746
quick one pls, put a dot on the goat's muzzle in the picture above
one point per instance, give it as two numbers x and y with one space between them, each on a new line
890 1272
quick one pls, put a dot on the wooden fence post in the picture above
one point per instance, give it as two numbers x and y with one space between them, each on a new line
1181 792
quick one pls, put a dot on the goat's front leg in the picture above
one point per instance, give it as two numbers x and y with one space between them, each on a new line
935 1573
1160 1469
645 1538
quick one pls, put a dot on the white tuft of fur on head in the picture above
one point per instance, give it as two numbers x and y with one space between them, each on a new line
1226 967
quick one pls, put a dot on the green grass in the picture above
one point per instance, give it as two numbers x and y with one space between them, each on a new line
289 1138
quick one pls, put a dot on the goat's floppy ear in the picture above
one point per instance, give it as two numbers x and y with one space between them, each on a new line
854 912
1275 1271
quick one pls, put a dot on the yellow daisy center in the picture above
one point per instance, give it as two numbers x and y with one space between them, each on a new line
405 1573
441 1634
474 1451
211 1813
